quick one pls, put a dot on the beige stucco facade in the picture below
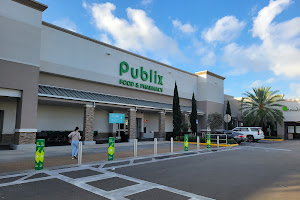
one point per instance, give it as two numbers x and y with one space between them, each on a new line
35 54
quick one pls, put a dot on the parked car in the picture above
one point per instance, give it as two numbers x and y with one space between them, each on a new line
238 137
253 133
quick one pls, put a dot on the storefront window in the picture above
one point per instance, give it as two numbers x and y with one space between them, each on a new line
297 129
291 129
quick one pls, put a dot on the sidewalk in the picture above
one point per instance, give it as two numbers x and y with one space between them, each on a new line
16 160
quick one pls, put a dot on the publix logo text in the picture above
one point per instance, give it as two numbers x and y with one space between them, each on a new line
149 76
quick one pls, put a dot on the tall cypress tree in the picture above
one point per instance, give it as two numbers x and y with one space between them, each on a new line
228 111
193 117
177 121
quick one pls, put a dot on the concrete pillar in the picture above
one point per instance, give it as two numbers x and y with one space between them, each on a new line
132 124
26 113
161 126
88 125
280 131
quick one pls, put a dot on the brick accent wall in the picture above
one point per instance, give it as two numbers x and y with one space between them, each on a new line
24 138
88 123
132 123
162 125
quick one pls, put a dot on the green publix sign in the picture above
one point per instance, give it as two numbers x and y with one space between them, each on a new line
146 76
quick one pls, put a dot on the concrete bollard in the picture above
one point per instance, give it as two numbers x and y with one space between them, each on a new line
171 144
155 146
135 147
218 141
79 153
198 141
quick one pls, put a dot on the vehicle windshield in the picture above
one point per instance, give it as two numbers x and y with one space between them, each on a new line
255 129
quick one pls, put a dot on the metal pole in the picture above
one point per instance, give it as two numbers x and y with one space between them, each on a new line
80 153
155 146
226 139
218 137
171 144
135 148
198 140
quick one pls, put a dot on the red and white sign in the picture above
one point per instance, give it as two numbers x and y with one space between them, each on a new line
145 120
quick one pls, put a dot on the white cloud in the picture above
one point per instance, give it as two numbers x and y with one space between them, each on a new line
270 80
146 2
206 53
67 24
138 33
255 84
185 28
260 83
225 30
209 59
279 49
294 91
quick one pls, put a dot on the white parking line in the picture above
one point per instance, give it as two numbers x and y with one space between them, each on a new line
250 147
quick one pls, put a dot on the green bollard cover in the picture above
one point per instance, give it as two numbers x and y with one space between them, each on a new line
39 154
111 148
186 142
208 140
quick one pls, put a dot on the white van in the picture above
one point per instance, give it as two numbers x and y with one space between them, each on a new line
253 133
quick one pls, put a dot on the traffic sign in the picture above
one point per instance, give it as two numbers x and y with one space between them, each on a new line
227 118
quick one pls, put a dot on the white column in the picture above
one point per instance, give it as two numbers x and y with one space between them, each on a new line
80 153
171 144
155 146
135 148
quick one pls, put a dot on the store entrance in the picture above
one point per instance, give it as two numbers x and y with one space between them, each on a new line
292 130
122 131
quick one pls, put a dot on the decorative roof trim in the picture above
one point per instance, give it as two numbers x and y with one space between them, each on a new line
33 4
54 93
210 73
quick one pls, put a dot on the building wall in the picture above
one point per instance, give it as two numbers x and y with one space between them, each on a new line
21 38
20 41
152 124
210 89
9 108
293 112
169 123
65 54
59 118
101 121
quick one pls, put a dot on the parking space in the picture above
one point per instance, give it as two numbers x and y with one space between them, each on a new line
263 170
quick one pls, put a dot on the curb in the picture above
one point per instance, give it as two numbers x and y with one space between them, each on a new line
274 139
221 145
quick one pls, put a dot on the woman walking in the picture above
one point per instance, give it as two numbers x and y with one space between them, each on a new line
75 136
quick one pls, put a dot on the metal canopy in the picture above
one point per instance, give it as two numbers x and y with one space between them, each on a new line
64 93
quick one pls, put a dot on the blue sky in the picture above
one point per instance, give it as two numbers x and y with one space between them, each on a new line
252 43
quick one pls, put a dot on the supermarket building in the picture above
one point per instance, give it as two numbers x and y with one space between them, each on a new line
54 79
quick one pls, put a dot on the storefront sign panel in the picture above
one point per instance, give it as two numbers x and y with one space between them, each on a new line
116 118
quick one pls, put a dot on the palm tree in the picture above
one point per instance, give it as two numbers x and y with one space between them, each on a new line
261 107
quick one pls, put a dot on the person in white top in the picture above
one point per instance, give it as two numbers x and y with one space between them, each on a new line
75 136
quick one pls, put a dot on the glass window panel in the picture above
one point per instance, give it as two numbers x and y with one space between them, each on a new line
291 129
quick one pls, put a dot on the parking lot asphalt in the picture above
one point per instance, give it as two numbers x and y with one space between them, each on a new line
263 170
